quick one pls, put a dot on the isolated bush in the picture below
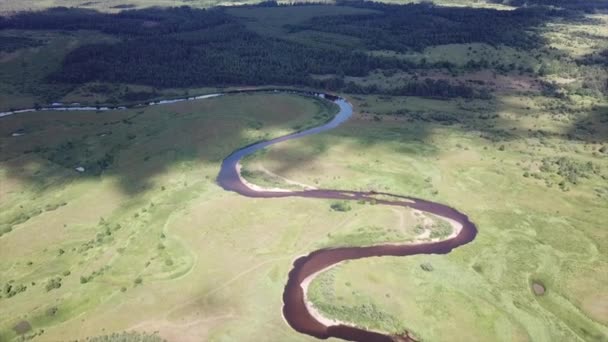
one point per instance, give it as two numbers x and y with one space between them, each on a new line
426 267
51 311
340 206
53 283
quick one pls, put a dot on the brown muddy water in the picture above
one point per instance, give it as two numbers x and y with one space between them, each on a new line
294 308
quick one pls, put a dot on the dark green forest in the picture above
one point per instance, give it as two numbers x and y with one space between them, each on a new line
185 47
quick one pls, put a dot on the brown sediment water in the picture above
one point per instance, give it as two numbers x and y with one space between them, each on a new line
295 310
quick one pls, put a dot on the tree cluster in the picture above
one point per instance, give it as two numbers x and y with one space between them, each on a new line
416 26
185 47
10 43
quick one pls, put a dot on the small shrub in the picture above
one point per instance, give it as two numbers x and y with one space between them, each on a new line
53 283
426 267
340 206
51 311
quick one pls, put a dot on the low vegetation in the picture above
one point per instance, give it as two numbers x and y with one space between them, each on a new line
125 337
340 206
113 235
113 220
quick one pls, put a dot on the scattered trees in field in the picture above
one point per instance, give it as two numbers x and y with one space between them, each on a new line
440 229
569 169
53 283
11 289
564 171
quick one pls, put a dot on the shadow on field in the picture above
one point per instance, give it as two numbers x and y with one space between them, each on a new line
138 145
593 127
47 149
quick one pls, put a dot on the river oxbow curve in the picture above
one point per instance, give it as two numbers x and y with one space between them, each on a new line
295 310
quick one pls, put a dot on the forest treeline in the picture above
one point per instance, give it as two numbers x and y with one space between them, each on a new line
185 47
587 6
11 43
416 26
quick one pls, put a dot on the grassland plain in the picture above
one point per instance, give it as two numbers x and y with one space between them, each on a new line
144 240
492 159
193 262
531 227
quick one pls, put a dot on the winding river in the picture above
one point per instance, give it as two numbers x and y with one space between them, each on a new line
295 310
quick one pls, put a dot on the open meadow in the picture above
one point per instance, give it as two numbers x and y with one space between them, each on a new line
113 226
143 239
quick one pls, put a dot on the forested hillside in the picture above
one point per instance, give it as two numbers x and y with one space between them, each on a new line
185 47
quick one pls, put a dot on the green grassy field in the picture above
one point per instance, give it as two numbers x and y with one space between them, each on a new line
534 224
144 240
149 242
528 168
152 244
